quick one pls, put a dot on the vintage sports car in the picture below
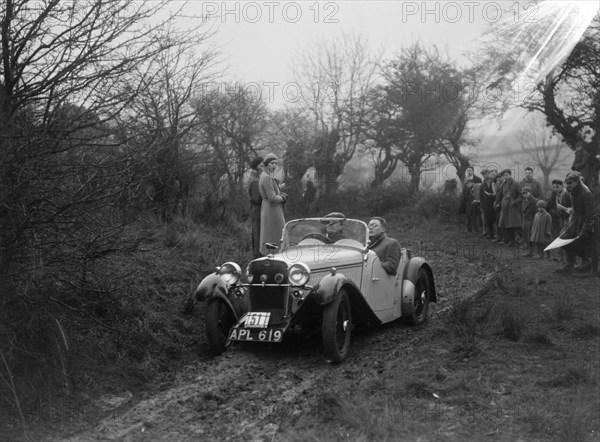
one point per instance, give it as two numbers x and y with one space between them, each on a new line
313 282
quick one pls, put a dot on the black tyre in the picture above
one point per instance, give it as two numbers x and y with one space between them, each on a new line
337 328
219 320
423 288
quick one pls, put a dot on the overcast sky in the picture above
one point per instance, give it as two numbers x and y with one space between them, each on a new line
259 40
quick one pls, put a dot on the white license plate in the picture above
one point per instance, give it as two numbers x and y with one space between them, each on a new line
257 319
253 334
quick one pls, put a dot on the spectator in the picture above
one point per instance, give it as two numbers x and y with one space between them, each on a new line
387 249
558 203
470 175
272 219
528 210
487 195
582 163
508 199
582 227
470 205
309 194
255 204
541 229
531 182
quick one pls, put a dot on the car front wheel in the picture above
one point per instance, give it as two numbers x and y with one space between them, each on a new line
218 322
337 328
422 296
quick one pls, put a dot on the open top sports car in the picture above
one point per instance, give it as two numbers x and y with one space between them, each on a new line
313 280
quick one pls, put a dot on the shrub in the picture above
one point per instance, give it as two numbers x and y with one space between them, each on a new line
513 321
437 205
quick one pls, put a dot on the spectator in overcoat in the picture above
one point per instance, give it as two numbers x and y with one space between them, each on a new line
558 203
487 195
582 163
272 219
541 229
255 204
582 226
509 200
531 182
528 210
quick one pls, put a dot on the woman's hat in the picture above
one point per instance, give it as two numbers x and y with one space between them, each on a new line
269 158
256 162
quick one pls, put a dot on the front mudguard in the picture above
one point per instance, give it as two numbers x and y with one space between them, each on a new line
328 289
213 287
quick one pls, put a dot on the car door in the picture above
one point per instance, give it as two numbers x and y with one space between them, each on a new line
382 291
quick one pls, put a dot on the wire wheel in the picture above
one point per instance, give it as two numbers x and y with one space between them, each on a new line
337 328
219 320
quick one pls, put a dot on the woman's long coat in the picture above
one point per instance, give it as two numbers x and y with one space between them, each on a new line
509 197
271 212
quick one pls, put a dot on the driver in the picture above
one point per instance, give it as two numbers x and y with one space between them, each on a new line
387 249
334 230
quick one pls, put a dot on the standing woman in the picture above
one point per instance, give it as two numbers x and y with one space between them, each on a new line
271 212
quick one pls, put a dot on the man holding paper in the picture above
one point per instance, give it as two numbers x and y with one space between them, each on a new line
582 227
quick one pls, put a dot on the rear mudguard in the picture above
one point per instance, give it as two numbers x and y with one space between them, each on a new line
329 287
410 279
213 287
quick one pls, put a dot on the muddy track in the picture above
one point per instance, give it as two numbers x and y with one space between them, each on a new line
255 391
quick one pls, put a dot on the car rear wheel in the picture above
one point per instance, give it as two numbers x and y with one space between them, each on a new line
337 328
423 288
218 322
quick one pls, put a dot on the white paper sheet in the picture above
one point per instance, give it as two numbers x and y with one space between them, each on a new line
558 243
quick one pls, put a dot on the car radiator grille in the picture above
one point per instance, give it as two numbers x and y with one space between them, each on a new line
269 299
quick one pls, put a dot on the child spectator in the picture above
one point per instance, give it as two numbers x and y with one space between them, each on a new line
528 207
541 229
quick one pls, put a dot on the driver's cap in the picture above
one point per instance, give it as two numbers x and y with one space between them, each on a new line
333 215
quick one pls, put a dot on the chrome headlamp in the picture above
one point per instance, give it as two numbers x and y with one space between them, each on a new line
298 274
230 273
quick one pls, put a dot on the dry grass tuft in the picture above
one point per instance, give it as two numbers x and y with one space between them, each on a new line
587 330
577 422
561 309
513 321
540 338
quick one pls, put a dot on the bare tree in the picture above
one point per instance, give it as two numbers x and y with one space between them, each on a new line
67 70
550 65
419 111
335 77
163 118
541 147
231 126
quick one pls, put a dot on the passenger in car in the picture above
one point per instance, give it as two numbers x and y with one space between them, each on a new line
387 249
334 230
